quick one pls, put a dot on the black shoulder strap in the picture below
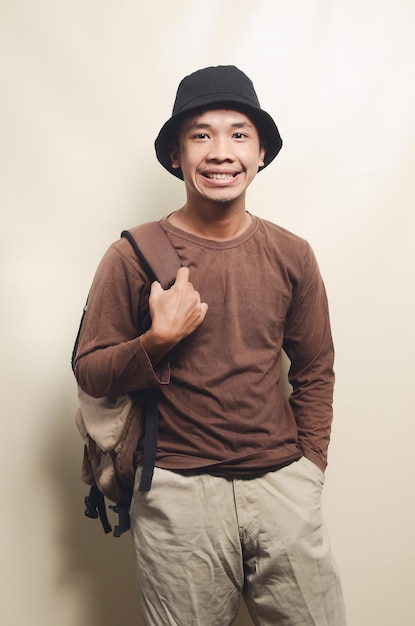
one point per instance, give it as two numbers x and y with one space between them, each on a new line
160 259
155 250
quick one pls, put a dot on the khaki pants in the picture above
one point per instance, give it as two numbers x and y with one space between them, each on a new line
202 541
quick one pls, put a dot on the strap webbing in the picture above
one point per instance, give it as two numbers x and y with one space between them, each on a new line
150 439
95 507
123 519
155 250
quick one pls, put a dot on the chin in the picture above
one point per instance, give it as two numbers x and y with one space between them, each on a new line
224 197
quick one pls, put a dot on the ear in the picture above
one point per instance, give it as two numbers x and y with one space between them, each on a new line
174 156
262 152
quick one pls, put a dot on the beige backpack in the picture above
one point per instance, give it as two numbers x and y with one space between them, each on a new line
112 426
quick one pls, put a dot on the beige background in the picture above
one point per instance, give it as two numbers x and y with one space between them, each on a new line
85 87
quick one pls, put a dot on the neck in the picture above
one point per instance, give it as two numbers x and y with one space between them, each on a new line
219 223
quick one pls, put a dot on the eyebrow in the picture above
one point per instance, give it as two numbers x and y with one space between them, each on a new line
203 125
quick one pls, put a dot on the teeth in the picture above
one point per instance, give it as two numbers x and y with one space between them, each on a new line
220 176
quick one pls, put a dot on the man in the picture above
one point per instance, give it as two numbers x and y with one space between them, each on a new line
234 506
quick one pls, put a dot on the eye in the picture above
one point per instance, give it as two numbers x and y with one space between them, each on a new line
200 136
239 135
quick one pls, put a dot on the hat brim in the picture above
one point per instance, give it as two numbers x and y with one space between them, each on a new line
264 123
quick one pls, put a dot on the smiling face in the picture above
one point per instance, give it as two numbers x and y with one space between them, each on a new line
219 153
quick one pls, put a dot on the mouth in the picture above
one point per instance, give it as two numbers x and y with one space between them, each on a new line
223 176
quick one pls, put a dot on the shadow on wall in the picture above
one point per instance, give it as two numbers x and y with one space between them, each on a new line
98 569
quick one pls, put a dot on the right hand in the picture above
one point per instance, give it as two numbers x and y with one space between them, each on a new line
175 314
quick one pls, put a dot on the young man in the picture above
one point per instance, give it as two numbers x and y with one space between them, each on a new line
234 506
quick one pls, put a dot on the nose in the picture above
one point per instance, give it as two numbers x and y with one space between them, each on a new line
220 150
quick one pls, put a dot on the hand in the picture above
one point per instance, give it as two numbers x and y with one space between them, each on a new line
175 314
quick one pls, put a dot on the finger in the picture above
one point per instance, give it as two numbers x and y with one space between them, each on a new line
182 276
156 288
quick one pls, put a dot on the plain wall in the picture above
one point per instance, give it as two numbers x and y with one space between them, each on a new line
85 87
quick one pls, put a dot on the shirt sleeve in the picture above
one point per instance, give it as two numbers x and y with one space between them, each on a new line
309 346
110 356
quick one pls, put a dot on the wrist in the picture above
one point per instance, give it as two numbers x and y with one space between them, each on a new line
156 346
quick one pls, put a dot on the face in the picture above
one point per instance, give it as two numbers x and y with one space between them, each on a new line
219 153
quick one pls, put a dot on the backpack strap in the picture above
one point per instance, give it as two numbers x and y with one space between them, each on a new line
161 261
78 334
155 250
95 507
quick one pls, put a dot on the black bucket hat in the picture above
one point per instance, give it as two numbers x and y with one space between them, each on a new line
211 87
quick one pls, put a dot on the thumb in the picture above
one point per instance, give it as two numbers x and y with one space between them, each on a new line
156 289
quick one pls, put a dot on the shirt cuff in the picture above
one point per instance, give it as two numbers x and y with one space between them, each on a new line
153 376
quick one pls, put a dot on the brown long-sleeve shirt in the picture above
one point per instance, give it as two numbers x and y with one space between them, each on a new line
223 408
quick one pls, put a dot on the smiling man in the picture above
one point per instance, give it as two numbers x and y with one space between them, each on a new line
219 153
235 503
